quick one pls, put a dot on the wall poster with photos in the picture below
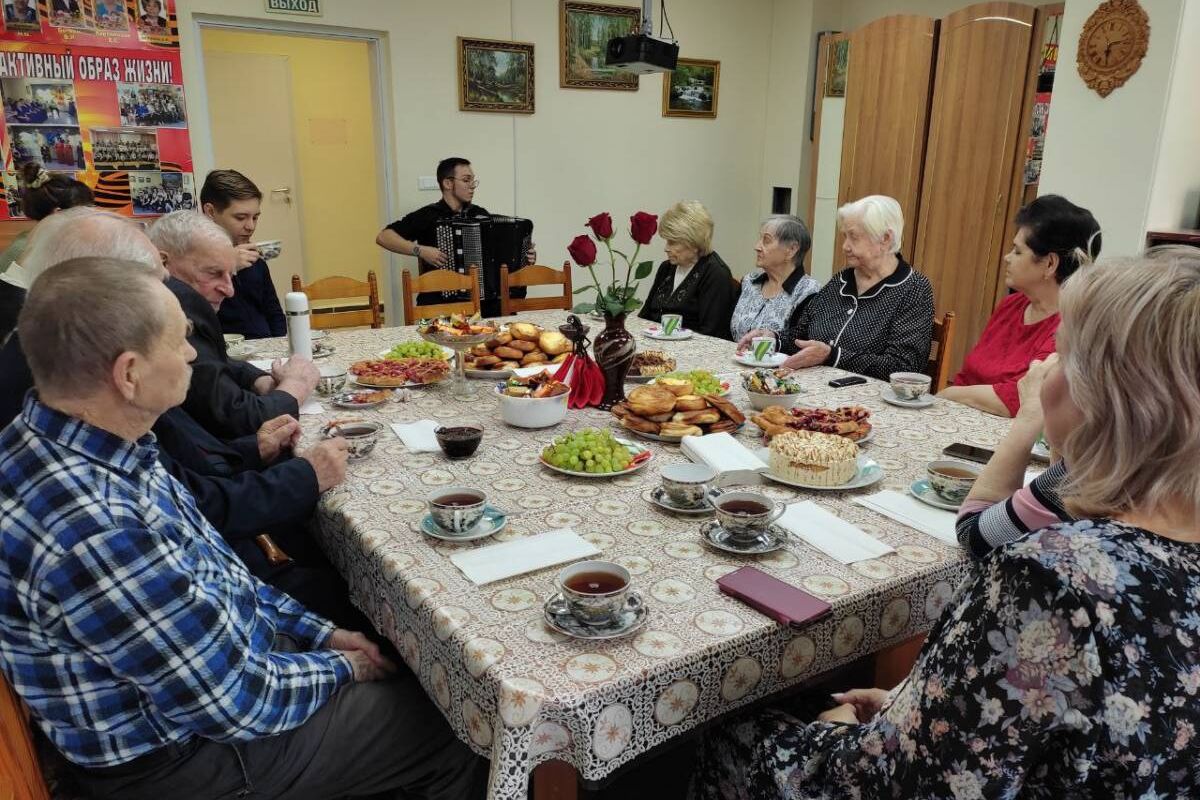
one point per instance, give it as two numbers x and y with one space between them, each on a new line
94 89
495 76
584 31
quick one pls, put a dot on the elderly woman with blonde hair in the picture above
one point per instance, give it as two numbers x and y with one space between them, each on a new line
693 282
876 316
1067 664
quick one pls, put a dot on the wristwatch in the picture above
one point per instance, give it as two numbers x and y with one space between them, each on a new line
416 250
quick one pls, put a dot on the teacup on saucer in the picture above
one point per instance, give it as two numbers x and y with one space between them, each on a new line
492 522
629 618
659 497
771 539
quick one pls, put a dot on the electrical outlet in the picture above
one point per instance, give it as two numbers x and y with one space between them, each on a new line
426 183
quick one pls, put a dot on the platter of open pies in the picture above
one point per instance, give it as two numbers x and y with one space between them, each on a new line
518 344
849 422
385 373
668 413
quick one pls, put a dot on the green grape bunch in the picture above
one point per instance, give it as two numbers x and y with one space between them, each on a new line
589 450
421 349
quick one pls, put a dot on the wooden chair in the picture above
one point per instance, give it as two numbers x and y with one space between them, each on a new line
440 280
535 275
939 361
20 773
337 287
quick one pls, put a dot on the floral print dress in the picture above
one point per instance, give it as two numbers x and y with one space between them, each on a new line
1066 667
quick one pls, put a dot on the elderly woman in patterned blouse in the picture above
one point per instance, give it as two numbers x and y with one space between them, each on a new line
1067 665
772 291
876 316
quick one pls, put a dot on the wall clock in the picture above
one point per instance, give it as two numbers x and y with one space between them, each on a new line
1112 44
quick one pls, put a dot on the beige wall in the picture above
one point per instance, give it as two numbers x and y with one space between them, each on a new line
583 151
1103 152
1175 195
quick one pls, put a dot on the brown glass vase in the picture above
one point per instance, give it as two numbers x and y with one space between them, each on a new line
614 348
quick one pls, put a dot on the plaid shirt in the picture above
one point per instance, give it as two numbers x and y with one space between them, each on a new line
127 621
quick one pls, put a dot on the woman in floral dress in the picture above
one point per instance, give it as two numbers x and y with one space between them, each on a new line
1068 664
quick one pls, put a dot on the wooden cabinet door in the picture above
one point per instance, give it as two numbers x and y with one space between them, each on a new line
887 109
975 133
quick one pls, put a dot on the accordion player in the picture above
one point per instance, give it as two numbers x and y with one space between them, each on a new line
489 242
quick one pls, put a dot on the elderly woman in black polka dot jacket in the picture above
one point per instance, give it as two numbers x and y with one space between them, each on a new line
876 316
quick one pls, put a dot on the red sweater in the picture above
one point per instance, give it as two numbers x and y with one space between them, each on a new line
1007 345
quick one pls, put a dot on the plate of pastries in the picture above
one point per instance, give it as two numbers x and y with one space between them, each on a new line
814 460
669 413
648 365
456 329
518 344
389 373
849 422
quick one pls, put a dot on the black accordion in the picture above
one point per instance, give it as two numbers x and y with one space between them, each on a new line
486 242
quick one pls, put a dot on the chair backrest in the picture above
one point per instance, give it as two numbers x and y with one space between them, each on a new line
338 287
439 280
20 773
535 275
943 344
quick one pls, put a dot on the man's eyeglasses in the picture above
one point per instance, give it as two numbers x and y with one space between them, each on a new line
471 182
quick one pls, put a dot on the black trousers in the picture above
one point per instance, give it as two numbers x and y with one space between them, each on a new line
385 739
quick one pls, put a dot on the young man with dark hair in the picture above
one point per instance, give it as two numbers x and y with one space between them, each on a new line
416 234
232 201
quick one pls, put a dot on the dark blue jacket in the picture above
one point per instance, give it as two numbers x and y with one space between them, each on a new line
254 309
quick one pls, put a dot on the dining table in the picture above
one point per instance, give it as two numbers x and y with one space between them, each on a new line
524 694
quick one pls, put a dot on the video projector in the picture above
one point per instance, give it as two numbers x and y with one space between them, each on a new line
642 54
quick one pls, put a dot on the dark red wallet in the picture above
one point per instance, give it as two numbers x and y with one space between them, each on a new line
780 601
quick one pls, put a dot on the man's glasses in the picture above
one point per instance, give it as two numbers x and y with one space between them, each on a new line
470 182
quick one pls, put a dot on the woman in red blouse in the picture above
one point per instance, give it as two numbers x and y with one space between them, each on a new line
1054 238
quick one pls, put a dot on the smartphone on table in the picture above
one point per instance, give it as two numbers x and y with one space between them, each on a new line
969 452
849 380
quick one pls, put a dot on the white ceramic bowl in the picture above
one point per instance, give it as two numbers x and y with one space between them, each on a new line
761 401
532 412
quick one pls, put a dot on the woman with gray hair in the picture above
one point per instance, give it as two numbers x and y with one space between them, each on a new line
876 316
1067 664
772 291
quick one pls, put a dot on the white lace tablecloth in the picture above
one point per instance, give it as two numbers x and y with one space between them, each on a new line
522 694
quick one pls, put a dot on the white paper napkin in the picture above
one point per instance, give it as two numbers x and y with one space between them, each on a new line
311 406
506 559
262 363
418 436
534 369
910 511
722 452
830 534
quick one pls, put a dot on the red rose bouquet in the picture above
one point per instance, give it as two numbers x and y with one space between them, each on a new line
619 296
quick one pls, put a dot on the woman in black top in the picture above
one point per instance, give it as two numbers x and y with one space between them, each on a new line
693 282
876 316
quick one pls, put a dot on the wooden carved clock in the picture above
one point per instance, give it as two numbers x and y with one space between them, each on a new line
1112 45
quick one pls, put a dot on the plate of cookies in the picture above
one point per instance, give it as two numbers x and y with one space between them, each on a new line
518 344
669 413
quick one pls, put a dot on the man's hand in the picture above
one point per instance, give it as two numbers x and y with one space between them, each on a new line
865 702
277 435
810 354
246 255
431 255
264 385
328 460
531 256
364 656
297 376
843 713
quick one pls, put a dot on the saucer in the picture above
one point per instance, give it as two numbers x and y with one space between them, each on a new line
1041 450
658 496
773 360
770 540
655 332
492 522
623 623
925 493
322 350
889 396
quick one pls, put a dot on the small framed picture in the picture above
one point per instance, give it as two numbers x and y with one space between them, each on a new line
495 76
584 31
691 90
839 63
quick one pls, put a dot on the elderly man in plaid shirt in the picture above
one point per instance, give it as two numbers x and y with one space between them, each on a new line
147 653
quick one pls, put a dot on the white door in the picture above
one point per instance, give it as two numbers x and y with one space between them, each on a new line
245 136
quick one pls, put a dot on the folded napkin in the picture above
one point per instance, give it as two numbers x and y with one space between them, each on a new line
910 511
506 559
722 452
831 535
312 407
262 363
525 372
418 436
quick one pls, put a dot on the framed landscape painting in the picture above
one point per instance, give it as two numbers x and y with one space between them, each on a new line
691 90
495 76
584 31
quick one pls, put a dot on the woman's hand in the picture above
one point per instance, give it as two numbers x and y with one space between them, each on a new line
1029 388
843 713
744 342
810 354
865 702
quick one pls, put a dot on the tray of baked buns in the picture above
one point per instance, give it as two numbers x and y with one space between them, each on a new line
849 422
669 413
518 344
